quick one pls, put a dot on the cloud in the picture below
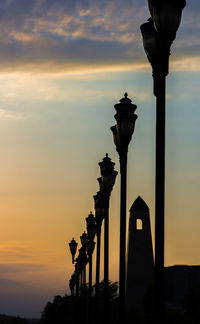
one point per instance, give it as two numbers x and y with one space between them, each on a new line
10 115
21 267
69 35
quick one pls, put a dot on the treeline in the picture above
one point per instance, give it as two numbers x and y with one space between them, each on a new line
5 319
68 310
65 310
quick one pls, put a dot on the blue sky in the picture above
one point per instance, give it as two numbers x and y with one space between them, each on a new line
63 66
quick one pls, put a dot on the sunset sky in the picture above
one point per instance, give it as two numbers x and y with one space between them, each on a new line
63 66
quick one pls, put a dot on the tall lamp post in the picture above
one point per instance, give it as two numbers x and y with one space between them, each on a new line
158 35
99 216
91 231
72 284
77 273
122 134
106 183
84 241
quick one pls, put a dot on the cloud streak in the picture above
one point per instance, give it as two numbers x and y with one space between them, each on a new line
67 35
21 267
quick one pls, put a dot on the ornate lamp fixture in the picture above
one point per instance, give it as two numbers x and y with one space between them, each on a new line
91 226
123 130
73 247
166 15
108 175
84 240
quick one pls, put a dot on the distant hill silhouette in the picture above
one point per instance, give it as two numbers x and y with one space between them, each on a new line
5 319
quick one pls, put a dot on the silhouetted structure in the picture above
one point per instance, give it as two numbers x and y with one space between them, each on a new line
140 263
180 280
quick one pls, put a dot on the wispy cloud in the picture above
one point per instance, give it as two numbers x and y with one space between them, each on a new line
69 35
13 115
21 267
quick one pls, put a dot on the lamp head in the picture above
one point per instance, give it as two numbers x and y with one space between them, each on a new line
125 118
84 239
73 247
91 226
166 15
108 175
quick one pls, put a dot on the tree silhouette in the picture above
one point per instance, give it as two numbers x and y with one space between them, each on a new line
191 303
4 319
63 310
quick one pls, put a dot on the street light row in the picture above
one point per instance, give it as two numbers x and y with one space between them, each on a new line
122 132
158 35
94 224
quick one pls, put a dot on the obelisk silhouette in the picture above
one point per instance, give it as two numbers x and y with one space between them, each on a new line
140 261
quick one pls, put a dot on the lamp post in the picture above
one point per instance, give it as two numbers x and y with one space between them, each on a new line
77 273
99 216
122 133
82 260
71 286
91 231
158 35
106 183
72 283
84 241
73 247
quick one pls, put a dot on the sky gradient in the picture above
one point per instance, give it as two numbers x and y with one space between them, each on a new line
63 66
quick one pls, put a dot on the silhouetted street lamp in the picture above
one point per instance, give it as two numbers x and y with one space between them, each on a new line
158 35
77 274
106 183
82 261
99 216
72 284
91 231
73 247
122 134
84 241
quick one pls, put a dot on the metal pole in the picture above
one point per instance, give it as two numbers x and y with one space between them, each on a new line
160 198
90 275
78 315
97 273
81 283
90 290
122 265
77 287
106 262
84 294
84 279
